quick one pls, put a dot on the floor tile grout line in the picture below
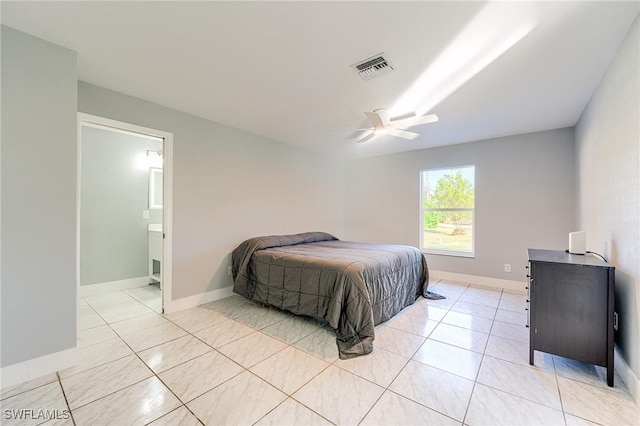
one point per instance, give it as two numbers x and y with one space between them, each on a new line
66 400
371 381
464 328
115 302
473 388
431 332
175 409
289 396
220 353
518 396
305 383
189 401
314 377
183 404
138 300
95 312
153 375
521 397
4 399
441 369
506 361
475 381
308 408
600 387
109 394
519 364
271 411
289 345
145 328
102 365
112 303
372 405
423 405
181 363
603 386
123 319
311 379
202 341
126 387
311 353
335 361
439 321
92 368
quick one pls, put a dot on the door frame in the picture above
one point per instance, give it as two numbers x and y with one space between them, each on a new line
167 183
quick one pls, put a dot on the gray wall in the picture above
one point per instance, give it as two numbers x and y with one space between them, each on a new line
228 185
38 181
114 190
608 170
524 198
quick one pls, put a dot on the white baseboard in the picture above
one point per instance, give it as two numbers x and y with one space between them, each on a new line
198 299
101 288
623 369
516 286
38 367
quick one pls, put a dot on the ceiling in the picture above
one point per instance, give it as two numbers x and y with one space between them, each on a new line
282 69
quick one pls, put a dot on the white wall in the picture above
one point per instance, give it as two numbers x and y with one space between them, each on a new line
608 171
38 198
524 198
229 185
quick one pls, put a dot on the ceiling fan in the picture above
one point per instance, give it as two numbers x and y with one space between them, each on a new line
384 124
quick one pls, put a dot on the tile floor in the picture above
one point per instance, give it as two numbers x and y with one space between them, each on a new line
462 360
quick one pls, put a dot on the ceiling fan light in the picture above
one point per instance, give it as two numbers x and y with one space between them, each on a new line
380 131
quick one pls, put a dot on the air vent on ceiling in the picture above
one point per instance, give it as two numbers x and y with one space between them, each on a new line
374 66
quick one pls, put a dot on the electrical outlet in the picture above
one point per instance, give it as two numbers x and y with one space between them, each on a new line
615 321
145 214
229 270
507 267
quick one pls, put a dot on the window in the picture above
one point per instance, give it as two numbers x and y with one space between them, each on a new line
447 211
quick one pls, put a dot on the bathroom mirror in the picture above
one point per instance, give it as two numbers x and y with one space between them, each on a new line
155 188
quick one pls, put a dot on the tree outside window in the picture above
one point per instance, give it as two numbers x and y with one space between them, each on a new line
447 224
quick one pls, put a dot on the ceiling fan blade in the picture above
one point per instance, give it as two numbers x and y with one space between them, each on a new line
366 138
401 133
401 117
350 130
375 118
383 113
414 121
357 134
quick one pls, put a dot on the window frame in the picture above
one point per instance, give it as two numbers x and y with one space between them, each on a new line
423 210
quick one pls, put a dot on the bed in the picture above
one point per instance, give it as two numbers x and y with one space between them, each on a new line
353 286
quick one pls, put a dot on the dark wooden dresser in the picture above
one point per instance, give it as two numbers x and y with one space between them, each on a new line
571 305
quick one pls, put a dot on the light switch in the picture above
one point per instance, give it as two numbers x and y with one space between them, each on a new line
145 214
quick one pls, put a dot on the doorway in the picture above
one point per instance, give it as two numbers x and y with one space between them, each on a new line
124 205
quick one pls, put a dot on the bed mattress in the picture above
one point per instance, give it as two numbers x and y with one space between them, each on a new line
353 286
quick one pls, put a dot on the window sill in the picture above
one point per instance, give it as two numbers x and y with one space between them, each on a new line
450 253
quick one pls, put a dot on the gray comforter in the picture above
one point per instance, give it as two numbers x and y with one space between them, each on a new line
353 286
